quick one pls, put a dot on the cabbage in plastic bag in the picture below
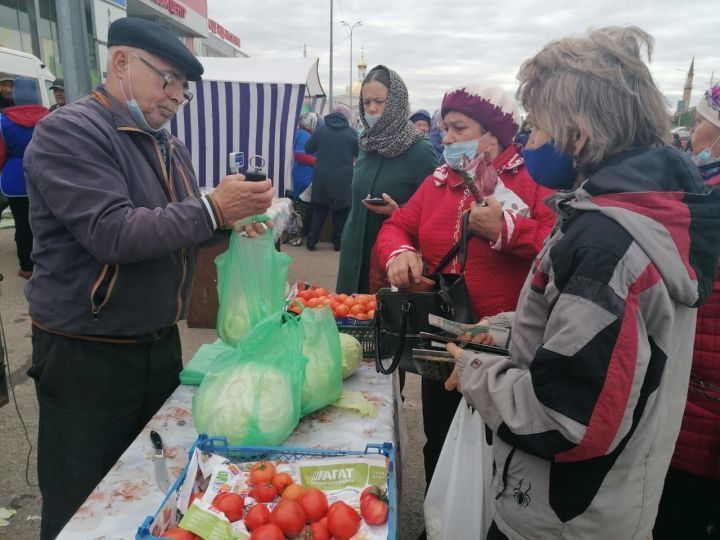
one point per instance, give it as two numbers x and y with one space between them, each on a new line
323 373
253 396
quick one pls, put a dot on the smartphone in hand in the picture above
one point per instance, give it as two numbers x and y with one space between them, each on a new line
375 201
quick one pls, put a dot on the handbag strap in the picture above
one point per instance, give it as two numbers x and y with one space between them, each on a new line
459 246
399 348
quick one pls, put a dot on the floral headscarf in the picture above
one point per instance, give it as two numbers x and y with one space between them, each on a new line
393 133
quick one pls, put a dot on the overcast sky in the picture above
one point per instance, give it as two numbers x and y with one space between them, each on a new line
437 45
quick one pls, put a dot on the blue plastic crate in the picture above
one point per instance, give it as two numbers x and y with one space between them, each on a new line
239 454
363 331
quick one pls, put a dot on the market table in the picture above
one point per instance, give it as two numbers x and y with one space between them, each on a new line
129 493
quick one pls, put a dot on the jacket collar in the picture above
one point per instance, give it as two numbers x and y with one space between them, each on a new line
120 115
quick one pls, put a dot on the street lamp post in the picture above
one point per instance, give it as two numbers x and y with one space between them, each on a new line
351 27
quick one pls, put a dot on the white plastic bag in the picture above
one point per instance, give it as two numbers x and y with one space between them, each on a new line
454 504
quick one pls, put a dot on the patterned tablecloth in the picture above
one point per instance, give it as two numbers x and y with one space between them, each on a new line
128 494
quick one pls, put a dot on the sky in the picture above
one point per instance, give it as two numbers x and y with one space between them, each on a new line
438 45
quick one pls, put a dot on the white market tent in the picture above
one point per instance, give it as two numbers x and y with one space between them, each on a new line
250 105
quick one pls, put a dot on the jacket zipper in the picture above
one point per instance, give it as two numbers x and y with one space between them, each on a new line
173 198
183 257
183 252
102 289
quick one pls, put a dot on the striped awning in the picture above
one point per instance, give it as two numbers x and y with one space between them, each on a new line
253 118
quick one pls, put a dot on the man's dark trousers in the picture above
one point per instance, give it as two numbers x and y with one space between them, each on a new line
95 398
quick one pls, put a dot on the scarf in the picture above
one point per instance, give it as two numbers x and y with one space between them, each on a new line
710 170
393 133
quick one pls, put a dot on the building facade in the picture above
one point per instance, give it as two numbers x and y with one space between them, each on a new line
31 26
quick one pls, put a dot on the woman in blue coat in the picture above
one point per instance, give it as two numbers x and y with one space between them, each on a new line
302 172
17 124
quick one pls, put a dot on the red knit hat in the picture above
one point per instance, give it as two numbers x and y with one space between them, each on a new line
490 105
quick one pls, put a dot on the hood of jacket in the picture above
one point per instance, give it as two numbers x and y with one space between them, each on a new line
26 115
336 121
659 198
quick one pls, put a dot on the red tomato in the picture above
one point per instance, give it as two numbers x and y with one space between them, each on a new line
257 516
315 504
371 314
230 504
281 481
374 505
316 531
262 471
372 304
267 532
293 492
178 534
264 492
357 309
334 506
323 521
321 292
313 302
343 522
306 295
361 317
350 302
289 516
342 297
342 311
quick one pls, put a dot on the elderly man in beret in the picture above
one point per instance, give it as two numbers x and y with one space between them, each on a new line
117 217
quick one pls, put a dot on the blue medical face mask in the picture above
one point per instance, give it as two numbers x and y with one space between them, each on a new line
455 152
705 157
550 167
135 110
372 119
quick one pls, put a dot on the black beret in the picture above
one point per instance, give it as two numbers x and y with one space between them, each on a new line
156 39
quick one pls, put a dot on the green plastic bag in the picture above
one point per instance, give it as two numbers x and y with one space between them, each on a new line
253 397
204 358
321 345
252 277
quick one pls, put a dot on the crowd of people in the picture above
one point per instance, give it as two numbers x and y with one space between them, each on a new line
597 242
594 239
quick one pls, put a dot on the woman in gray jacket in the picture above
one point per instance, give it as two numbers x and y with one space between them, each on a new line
585 410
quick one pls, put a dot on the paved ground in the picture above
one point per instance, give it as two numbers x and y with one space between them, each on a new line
317 267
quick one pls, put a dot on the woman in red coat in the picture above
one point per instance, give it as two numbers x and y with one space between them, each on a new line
690 504
507 232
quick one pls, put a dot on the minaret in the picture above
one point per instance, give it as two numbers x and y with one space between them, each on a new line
687 91
362 66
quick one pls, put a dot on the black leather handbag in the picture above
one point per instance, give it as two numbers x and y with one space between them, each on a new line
401 316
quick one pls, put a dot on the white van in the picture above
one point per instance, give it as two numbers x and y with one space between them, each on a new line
21 64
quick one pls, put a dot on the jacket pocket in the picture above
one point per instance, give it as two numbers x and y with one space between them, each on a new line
103 288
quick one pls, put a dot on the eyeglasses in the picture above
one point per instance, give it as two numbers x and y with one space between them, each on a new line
172 83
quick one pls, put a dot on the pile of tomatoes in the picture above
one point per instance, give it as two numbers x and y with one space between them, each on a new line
357 306
298 512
